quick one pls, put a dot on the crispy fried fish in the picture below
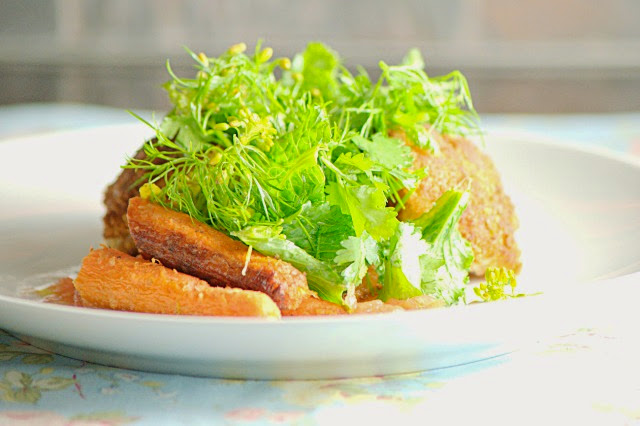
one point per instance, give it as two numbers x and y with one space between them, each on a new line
192 247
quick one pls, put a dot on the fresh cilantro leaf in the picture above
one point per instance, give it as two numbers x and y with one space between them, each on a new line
357 253
351 164
391 153
445 269
393 160
318 229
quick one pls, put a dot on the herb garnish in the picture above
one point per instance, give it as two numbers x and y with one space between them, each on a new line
302 166
497 281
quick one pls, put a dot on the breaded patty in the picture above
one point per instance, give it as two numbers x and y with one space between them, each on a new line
116 200
489 221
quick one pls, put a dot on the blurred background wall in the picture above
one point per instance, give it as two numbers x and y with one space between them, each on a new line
519 56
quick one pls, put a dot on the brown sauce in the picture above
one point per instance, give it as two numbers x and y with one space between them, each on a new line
62 292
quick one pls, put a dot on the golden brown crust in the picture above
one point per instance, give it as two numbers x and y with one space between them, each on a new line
112 279
419 302
489 221
312 305
116 200
197 249
375 307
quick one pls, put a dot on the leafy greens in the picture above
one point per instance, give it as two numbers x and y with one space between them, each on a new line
298 163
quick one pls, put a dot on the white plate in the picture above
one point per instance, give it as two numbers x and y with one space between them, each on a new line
580 222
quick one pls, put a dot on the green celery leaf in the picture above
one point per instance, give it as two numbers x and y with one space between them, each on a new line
400 288
409 248
318 229
367 207
445 266
270 241
403 266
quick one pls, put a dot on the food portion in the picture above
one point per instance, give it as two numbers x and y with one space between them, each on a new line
116 200
111 279
191 247
327 192
489 222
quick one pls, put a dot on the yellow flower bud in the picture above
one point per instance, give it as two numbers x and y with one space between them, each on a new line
265 55
221 127
297 76
215 159
203 58
235 123
237 48
316 92
148 189
285 63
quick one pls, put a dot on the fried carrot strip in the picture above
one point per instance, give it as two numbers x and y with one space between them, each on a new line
112 279
375 307
312 305
192 247
419 302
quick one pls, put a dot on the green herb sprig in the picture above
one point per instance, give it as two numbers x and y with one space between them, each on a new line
500 284
301 166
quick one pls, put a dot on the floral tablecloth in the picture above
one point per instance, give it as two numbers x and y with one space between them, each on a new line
589 376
